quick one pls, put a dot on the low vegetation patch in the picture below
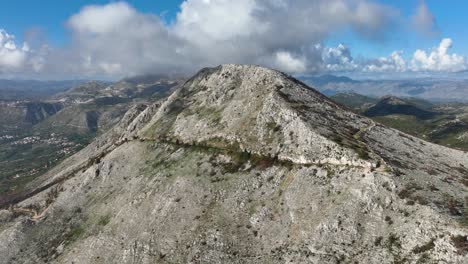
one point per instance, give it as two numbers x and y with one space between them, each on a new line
378 241
408 192
454 207
393 242
238 156
75 233
426 247
362 151
53 194
104 220
272 126
460 242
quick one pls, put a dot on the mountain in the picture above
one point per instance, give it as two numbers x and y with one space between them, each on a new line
434 90
35 135
327 78
39 111
355 101
445 124
450 127
13 90
323 81
244 164
97 106
129 88
391 105
25 102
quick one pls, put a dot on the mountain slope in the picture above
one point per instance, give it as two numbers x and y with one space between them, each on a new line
37 135
355 101
444 124
393 106
244 164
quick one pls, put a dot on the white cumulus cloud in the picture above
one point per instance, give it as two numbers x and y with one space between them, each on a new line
439 59
280 34
285 61
338 59
393 63
116 40
12 58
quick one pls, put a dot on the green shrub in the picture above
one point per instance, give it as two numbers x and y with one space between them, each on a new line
426 247
104 220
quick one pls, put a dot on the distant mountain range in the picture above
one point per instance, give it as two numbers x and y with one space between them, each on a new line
391 105
326 79
441 123
33 89
434 90
41 123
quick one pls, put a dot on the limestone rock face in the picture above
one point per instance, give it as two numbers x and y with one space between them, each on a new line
244 164
264 112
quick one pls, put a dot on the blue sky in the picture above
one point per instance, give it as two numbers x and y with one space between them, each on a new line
451 19
49 20
51 15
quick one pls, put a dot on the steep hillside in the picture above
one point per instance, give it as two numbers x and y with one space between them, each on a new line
150 86
445 124
395 106
12 117
37 112
244 164
36 135
357 102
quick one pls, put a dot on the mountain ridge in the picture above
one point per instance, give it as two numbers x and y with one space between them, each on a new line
213 174
392 105
272 95
434 90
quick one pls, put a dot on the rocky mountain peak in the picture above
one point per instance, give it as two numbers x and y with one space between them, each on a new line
391 105
392 100
264 112
243 164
